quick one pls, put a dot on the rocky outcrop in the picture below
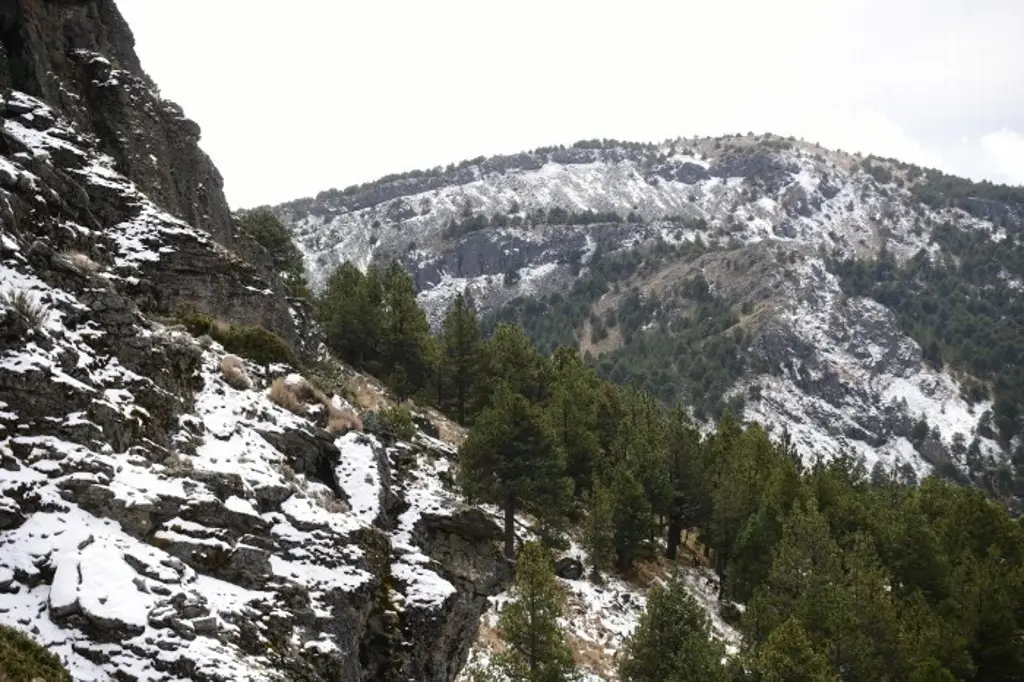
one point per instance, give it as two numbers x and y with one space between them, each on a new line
157 522
79 56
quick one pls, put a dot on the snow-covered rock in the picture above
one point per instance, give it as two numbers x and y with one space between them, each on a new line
157 523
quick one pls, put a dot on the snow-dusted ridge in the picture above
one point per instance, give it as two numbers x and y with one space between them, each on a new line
844 376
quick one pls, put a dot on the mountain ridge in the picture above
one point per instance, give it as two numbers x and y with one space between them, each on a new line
764 220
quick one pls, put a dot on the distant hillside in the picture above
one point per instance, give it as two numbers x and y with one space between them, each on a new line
862 304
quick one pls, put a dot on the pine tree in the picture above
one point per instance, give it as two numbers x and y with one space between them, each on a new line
787 656
805 565
572 404
631 517
536 649
510 359
738 485
405 335
512 459
672 642
350 313
600 529
690 502
461 359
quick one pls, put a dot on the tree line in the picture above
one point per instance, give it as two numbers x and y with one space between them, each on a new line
842 575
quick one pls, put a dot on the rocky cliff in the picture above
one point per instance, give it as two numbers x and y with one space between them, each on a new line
160 520
78 56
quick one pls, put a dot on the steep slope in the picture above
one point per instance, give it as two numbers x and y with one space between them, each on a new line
161 519
703 270
157 523
79 57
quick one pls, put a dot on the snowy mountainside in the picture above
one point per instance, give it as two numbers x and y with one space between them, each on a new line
762 219
157 522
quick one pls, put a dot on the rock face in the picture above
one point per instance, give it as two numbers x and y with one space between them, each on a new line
80 57
760 218
155 522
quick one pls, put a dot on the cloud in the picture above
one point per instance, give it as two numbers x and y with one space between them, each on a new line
1004 150
322 95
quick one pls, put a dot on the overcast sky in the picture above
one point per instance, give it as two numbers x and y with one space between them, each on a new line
297 97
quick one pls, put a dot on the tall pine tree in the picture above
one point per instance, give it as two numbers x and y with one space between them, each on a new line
510 359
535 645
572 404
460 359
405 335
672 642
349 310
513 459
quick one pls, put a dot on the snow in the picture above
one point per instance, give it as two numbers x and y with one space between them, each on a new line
599 618
833 326
240 506
358 476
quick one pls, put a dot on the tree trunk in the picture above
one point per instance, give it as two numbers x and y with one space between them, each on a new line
675 528
510 530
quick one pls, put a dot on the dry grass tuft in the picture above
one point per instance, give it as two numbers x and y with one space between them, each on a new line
27 305
79 261
232 368
343 421
294 393
282 394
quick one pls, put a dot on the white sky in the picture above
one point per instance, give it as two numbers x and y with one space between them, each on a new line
306 95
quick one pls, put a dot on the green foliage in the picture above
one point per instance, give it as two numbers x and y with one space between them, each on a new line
536 649
398 419
513 459
405 335
556 320
599 530
631 517
879 172
672 642
694 358
373 322
460 363
21 658
350 312
25 305
690 494
266 228
788 656
572 405
510 360
253 342
938 190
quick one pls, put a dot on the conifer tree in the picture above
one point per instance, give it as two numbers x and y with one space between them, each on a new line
513 459
806 563
405 334
631 516
600 530
535 645
350 313
461 359
510 359
788 656
572 404
672 642
690 502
